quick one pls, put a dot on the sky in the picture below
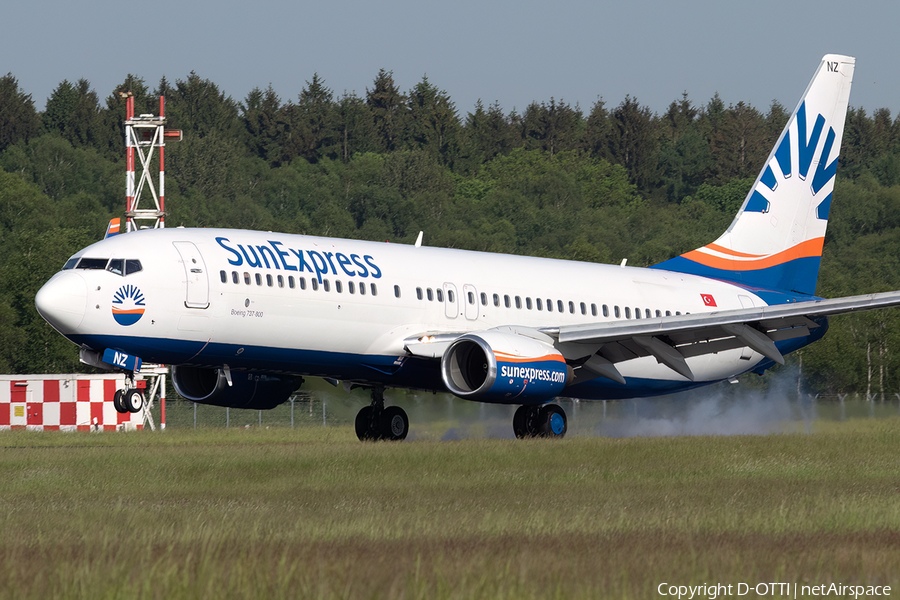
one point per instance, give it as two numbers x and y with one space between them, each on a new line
512 53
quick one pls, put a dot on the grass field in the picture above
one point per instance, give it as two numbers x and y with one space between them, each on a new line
312 512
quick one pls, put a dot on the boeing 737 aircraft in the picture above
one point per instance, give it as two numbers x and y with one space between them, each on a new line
244 316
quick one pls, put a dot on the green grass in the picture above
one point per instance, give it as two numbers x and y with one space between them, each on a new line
312 512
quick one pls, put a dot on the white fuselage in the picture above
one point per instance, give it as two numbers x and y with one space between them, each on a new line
344 309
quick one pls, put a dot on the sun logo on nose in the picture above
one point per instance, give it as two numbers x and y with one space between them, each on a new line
128 305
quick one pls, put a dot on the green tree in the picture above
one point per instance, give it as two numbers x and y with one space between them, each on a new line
388 109
433 122
552 127
18 119
197 107
260 116
73 112
633 142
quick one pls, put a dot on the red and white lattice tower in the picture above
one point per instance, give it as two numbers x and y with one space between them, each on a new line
143 134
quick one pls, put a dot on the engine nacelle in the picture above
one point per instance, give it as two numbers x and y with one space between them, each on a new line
503 366
247 389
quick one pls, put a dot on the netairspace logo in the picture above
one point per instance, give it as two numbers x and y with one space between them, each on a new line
128 305
775 590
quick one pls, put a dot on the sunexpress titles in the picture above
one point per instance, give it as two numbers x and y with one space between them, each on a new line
275 256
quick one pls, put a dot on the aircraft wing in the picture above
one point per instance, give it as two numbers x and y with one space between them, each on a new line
593 349
671 340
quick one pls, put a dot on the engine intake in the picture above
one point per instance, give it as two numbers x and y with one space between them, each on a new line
503 367
247 390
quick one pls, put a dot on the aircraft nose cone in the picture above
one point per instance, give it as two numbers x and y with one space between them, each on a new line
62 301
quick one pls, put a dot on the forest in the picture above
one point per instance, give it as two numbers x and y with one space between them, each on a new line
600 183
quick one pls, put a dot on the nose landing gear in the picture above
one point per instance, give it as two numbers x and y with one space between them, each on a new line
377 422
130 399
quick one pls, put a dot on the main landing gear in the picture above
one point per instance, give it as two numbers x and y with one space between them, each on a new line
546 420
378 422
130 399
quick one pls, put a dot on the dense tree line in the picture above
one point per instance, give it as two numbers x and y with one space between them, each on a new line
611 183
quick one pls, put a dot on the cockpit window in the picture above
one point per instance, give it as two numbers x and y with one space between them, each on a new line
132 266
117 266
92 263
70 264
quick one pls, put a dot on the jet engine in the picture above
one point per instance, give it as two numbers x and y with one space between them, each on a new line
247 390
504 366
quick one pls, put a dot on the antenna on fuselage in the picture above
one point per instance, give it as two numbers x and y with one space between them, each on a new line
145 133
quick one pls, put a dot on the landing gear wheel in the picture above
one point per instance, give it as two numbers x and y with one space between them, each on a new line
133 400
552 421
119 402
520 422
394 424
364 429
525 421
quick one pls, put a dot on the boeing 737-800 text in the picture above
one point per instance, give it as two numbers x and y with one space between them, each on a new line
244 316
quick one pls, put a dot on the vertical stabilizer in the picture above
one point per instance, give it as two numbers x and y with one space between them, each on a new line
775 241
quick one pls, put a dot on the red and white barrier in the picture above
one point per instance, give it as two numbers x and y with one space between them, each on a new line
64 403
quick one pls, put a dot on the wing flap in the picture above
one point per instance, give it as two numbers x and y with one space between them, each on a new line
672 340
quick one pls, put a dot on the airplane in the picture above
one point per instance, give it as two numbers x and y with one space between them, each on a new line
244 316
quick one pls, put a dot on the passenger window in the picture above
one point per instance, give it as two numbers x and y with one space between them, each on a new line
302 283
362 290
396 291
440 295
374 289
605 310
540 303
637 313
314 283
668 313
291 281
496 299
583 308
593 310
338 287
549 305
117 266
269 281
627 312
518 302
235 278
223 276
571 307
471 297
258 279
418 292
483 299
559 306
430 294
647 313
326 285
617 313
246 278
506 300
133 266
450 296
280 281
351 287
528 303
